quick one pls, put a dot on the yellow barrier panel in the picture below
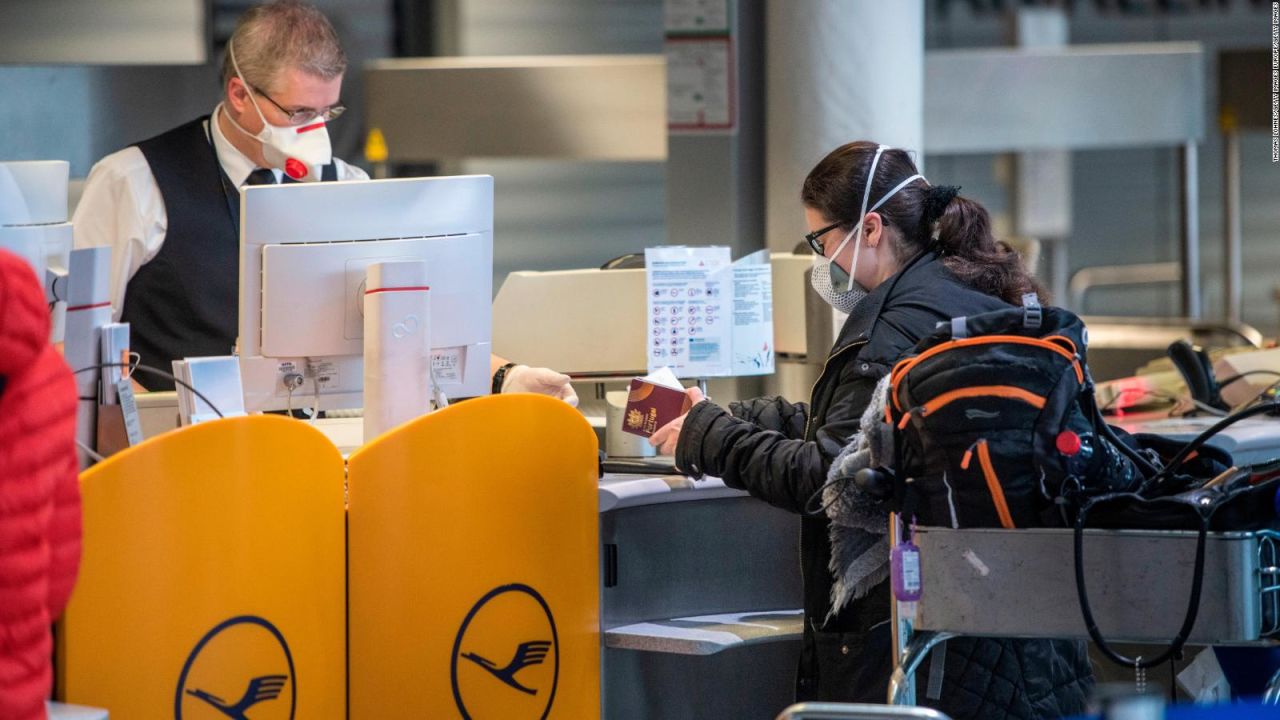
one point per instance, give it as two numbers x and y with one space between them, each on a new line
212 579
474 565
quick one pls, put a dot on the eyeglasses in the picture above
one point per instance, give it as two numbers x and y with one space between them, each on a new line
302 116
812 238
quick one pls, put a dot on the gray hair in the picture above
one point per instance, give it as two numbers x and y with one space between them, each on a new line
279 35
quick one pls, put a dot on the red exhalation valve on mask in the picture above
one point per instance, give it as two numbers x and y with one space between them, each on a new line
295 168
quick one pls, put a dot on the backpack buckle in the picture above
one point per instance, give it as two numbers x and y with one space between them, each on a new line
1032 313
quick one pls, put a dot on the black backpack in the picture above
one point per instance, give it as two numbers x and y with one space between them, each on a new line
996 426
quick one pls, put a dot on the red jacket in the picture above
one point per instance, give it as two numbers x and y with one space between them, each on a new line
39 491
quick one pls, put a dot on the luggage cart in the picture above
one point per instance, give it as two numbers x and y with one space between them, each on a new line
1020 583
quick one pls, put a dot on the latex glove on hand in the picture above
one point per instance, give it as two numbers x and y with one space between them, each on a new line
668 436
542 381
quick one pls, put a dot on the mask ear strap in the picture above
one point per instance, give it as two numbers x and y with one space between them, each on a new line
871 178
853 266
895 190
866 195
231 53
222 108
883 200
840 247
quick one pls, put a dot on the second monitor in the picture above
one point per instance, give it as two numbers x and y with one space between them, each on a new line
304 250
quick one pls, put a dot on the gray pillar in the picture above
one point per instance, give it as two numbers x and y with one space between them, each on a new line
1189 179
1042 178
715 190
838 71
715 141
1233 266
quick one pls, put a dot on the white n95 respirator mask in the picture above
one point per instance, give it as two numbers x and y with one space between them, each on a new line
835 285
298 151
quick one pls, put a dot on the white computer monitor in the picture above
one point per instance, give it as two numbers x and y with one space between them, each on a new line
33 225
304 250
47 249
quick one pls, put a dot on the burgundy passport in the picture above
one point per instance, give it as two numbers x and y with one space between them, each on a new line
651 406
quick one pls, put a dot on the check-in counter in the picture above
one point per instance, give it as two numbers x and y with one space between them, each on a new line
700 599
699 607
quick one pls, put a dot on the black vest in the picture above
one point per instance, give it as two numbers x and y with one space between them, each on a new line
184 302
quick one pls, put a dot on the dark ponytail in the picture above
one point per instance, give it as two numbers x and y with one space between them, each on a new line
964 241
979 260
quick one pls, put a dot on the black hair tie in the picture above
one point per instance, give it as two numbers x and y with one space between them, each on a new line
936 200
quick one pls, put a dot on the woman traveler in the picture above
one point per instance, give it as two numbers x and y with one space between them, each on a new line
898 255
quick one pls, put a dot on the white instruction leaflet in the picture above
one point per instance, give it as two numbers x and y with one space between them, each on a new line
689 327
709 317
753 315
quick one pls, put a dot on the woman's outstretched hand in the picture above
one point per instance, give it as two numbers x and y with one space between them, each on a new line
668 436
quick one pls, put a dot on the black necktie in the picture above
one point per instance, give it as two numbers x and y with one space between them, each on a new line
261 176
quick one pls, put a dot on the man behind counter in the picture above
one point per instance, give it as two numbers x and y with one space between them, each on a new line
168 207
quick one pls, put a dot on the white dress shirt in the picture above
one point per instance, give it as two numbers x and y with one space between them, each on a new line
122 207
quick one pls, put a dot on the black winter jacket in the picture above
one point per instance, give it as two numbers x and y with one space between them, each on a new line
780 452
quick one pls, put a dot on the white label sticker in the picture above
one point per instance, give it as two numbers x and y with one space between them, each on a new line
976 562
911 571
129 408
326 374
447 365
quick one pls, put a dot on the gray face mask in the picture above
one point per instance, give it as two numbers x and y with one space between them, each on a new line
827 275
840 277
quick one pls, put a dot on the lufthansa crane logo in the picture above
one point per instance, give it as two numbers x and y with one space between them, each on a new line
506 657
241 669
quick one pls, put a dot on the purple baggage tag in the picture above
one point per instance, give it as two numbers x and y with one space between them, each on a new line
904 569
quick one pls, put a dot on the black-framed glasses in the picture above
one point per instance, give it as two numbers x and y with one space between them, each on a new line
303 115
812 238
